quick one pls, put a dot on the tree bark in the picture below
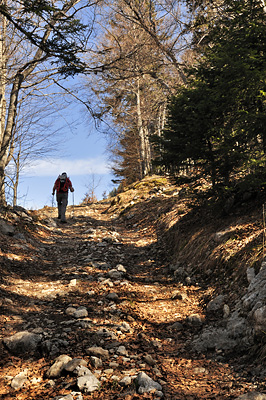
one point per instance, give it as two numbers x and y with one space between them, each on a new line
16 180
143 138
2 102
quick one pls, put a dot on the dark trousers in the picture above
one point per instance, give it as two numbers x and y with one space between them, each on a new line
62 200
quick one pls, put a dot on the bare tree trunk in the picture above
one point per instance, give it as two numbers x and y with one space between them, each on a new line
2 77
148 165
161 119
8 133
16 180
145 159
2 101
141 134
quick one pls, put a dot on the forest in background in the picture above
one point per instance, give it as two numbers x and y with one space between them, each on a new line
178 86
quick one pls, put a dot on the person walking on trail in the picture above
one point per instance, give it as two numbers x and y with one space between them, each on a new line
61 186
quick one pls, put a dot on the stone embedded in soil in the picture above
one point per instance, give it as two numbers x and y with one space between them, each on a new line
81 312
115 274
121 268
96 362
146 384
82 371
70 311
149 360
176 326
216 304
112 297
122 351
19 380
22 342
73 364
88 383
177 295
195 319
105 333
58 366
125 327
97 352
126 381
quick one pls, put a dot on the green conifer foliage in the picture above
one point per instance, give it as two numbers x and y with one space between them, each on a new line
218 122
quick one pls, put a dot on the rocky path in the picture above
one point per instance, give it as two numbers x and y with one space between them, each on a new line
89 311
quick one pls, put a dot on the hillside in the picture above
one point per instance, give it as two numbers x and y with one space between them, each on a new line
155 293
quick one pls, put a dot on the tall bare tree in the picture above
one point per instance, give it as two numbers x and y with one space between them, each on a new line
143 65
34 37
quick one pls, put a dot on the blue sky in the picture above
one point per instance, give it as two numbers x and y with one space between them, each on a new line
83 158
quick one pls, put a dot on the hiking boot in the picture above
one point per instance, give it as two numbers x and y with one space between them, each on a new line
59 217
63 222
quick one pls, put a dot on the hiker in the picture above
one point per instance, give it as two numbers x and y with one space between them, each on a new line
61 186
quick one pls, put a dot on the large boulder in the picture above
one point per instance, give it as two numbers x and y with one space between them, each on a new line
22 342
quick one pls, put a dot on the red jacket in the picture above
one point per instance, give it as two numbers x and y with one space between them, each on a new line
64 189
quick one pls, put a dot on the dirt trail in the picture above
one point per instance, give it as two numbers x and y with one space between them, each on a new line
71 267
